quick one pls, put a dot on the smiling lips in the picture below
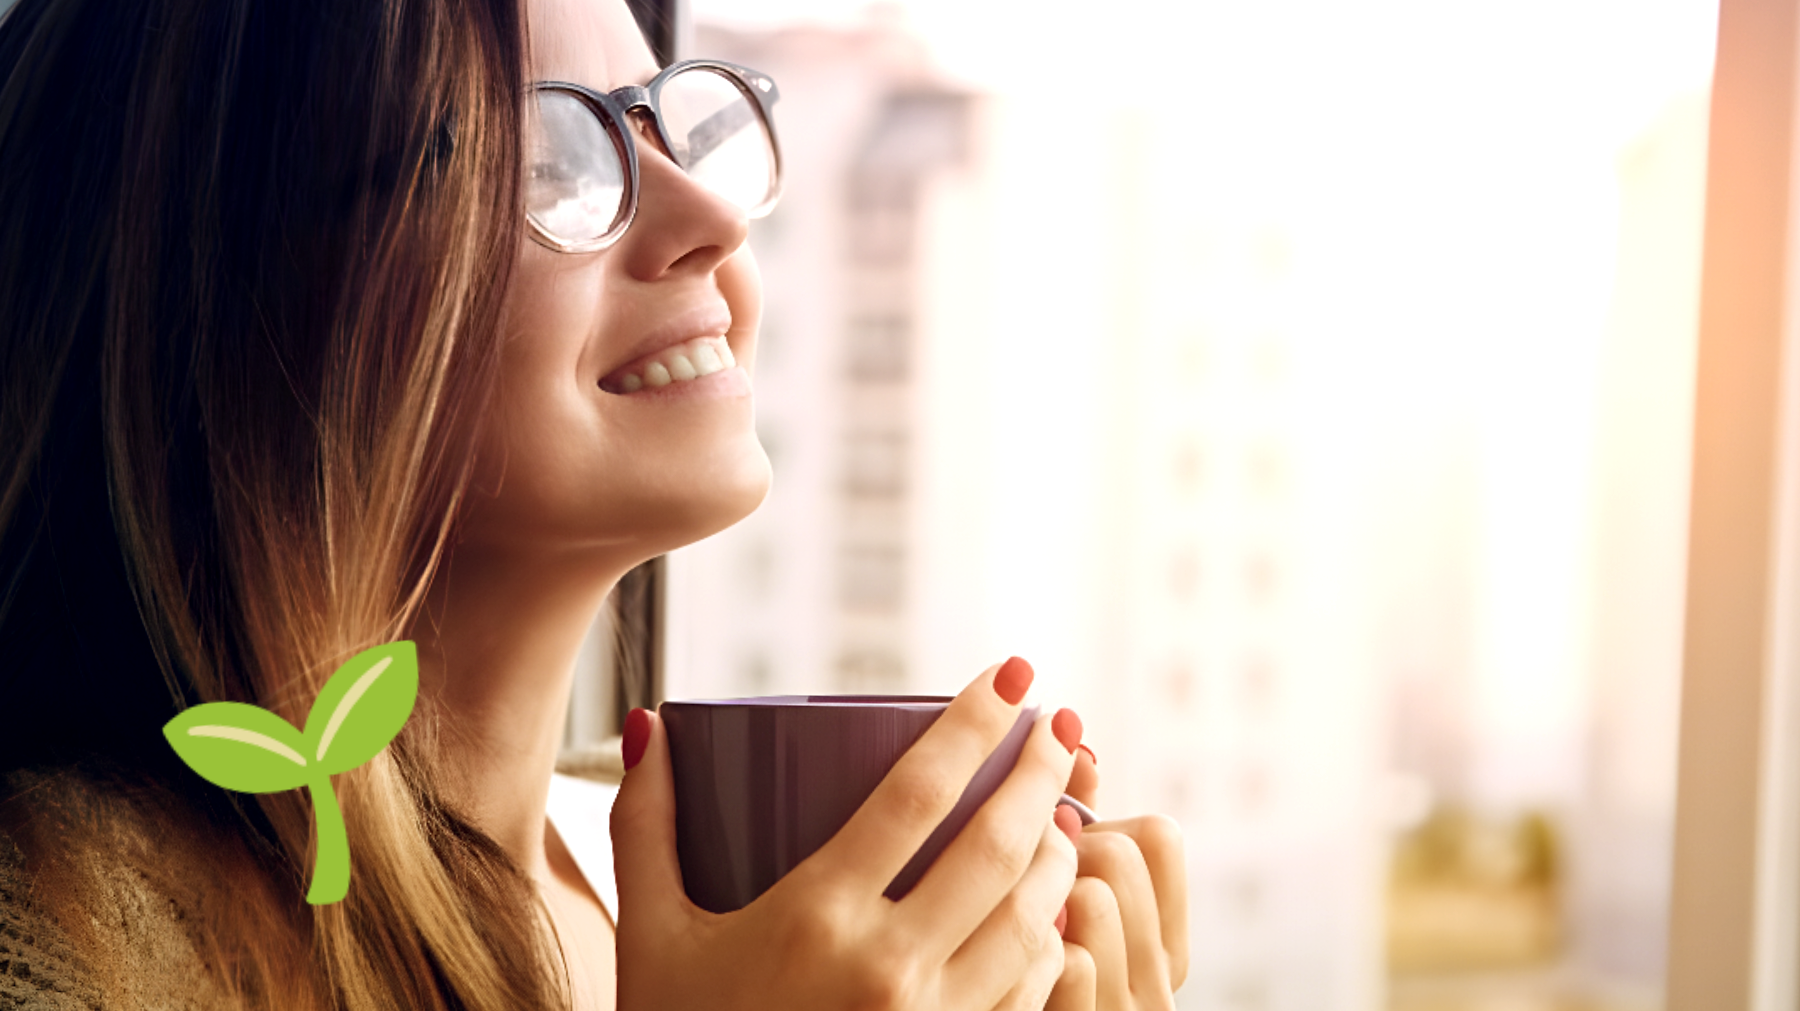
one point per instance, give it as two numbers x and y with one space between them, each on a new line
692 359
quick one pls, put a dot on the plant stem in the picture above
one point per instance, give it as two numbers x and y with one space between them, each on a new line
331 856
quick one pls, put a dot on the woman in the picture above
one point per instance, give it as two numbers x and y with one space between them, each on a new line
288 372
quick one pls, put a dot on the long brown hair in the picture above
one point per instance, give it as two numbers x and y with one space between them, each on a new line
251 257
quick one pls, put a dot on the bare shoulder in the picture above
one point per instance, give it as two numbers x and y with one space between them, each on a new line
106 897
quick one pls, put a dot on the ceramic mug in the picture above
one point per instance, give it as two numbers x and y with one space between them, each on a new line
762 783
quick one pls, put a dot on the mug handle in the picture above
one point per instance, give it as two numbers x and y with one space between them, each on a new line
1087 815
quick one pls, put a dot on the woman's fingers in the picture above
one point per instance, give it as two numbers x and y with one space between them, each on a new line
928 780
643 832
1096 925
1013 935
985 860
1040 977
1111 861
1159 842
1084 782
1075 988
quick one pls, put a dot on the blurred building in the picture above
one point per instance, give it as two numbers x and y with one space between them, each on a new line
1237 595
1341 507
1022 396
818 591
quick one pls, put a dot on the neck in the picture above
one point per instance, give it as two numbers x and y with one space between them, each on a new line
497 641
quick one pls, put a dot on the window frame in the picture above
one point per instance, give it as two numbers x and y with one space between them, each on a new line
1734 932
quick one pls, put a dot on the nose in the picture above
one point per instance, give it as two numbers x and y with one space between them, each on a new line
681 226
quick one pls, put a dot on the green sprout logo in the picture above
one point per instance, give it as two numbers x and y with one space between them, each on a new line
251 750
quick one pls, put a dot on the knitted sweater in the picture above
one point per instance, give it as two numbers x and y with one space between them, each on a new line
38 966
85 922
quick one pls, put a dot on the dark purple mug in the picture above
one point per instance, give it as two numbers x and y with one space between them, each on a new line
761 783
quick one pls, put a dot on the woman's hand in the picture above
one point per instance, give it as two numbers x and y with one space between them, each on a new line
1126 940
977 932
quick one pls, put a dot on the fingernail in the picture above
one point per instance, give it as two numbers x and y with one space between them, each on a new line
1090 753
1062 920
1012 680
1069 822
637 737
1067 728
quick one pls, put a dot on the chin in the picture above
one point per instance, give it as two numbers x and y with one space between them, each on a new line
697 502
655 491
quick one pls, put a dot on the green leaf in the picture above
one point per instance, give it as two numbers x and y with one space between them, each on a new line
362 707
240 747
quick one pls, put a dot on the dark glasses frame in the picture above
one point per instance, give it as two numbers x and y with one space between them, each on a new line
614 110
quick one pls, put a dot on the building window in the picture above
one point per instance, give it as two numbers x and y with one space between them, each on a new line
870 577
878 348
1184 573
756 675
875 464
1244 894
882 219
1253 788
1187 470
1245 992
871 671
1180 684
1181 794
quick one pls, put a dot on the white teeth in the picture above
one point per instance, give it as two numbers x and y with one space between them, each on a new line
699 357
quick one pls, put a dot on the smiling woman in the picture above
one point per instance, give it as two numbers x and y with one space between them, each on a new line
295 363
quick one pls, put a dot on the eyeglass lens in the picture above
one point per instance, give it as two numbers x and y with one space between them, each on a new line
718 137
575 181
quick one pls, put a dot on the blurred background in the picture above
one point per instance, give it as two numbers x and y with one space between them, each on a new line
1305 389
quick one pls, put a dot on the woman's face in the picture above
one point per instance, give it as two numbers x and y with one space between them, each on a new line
564 463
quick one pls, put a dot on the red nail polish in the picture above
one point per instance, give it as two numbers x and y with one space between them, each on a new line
1069 822
1067 728
637 737
1013 680
1062 920
1090 753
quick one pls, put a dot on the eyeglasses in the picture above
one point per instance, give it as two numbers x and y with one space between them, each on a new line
715 119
